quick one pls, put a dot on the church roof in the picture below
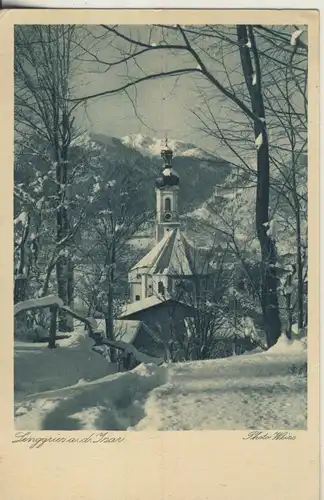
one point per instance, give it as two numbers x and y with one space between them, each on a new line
174 259
149 259
173 256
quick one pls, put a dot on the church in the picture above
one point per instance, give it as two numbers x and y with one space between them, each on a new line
164 283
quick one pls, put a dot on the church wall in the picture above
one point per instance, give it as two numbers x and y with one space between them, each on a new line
138 283
136 291
161 195
156 280
159 233
144 286
135 275
149 289
162 207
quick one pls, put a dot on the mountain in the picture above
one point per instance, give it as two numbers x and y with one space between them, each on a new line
199 170
137 157
151 146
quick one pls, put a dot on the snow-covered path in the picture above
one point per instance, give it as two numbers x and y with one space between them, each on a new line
235 393
256 391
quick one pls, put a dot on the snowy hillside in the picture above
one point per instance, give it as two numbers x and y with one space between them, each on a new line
231 209
260 390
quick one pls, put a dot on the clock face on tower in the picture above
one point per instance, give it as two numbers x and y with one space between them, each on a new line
167 216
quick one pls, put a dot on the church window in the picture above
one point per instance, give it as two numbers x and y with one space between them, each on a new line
137 297
167 204
161 287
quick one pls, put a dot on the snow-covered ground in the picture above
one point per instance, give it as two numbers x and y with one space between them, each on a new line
38 368
255 391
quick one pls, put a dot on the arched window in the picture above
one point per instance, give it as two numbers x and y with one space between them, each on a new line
161 287
137 297
167 205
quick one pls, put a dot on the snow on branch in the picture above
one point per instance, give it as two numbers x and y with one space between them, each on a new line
272 230
90 322
139 356
42 302
295 37
22 218
259 141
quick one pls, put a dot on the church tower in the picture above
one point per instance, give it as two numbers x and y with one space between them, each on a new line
167 188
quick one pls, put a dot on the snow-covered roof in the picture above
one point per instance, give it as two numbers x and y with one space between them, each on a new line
148 302
173 255
124 329
149 259
174 258
139 305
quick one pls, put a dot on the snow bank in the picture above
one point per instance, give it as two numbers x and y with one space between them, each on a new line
114 402
265 390
285 347
258 391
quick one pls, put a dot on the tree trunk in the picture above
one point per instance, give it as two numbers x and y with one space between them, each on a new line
109 317
62 292
299 265
23 268
300 284
20 288
269 281
64 267
288 307
110 336
70 290
52 333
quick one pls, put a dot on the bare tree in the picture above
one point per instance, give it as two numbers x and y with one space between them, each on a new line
119 212
192 40
43 69
283 65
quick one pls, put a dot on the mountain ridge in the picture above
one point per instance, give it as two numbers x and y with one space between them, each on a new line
199 170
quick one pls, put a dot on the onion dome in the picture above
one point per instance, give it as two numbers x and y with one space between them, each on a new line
168 176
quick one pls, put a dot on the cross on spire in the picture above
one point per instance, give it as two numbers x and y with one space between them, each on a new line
167 153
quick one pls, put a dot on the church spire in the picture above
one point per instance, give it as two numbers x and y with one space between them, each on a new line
167 154
169 176
167 186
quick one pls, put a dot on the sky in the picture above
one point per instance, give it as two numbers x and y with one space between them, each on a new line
166 106
163 106
161 109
